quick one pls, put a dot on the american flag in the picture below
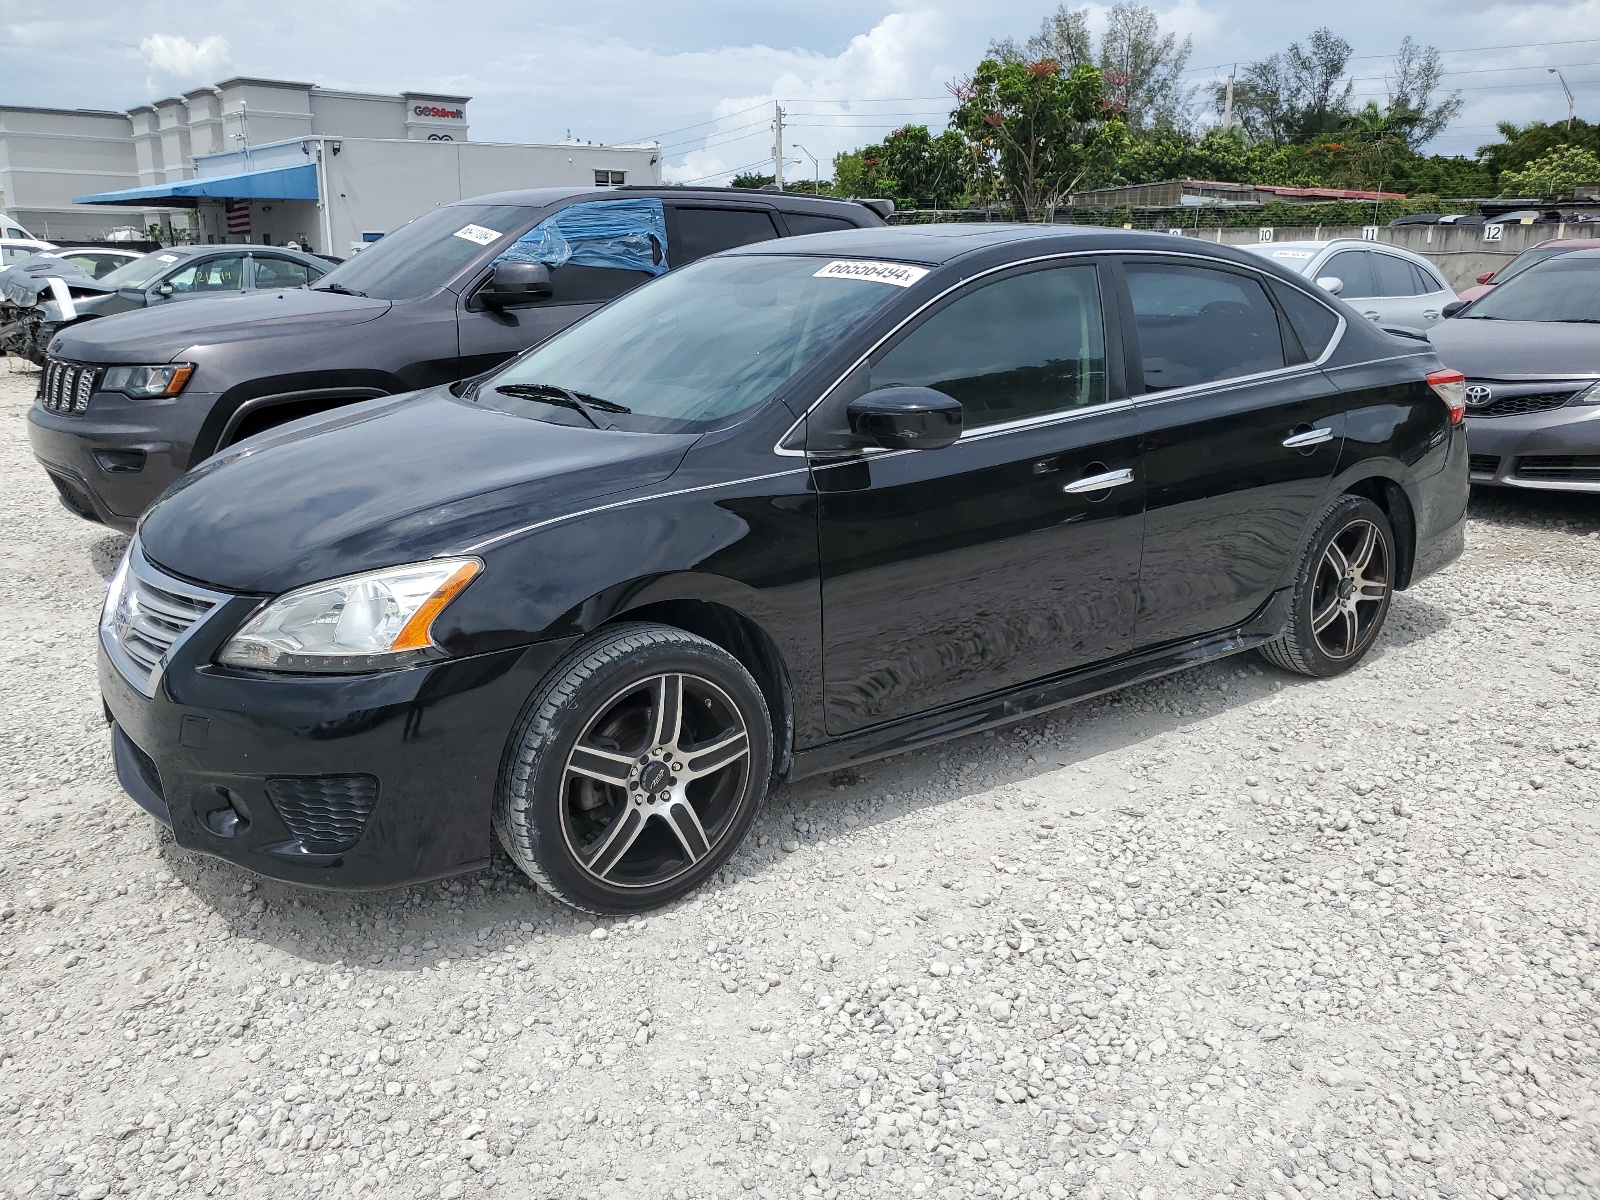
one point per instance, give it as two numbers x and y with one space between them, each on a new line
238 217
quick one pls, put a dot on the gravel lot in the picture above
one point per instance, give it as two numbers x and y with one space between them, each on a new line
1234 933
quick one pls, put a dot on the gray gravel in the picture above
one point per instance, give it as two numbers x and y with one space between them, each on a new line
1234 933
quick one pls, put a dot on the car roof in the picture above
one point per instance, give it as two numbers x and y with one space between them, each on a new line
933 245
543 197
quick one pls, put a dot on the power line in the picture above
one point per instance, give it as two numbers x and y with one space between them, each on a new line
1463 50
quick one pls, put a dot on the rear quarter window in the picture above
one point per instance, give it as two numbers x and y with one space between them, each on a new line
1313 323
800 223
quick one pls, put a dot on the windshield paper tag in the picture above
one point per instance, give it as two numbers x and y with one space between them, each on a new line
477 233
166 258
896 274
1291 254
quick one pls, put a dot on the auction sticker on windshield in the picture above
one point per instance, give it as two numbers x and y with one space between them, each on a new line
1291 254
897 274
477 233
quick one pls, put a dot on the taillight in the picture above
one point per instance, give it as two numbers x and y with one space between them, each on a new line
1451 387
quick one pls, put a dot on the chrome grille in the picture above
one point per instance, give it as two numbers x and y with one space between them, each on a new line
65 387
147 614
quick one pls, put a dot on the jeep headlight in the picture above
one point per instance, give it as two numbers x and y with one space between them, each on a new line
148 383
374 621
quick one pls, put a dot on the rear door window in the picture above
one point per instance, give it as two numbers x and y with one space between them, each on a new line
1396 277
1354 269
696 232
1199 325
272 272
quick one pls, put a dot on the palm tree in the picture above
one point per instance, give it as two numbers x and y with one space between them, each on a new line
1379 134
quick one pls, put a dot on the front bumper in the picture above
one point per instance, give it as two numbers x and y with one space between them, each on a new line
214 753
110 463
1557 450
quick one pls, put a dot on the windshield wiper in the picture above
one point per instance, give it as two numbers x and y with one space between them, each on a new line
551 393
341 289
1579 321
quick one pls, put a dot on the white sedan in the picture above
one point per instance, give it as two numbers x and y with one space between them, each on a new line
1385 284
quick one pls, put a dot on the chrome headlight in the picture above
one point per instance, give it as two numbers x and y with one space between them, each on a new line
369 622
148 383
1589 395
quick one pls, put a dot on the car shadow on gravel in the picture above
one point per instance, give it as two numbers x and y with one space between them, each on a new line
106 552
1575 511
473 915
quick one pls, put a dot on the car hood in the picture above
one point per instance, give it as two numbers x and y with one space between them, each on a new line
1506 349
389 481
164 331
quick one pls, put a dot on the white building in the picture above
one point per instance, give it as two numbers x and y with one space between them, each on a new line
264 160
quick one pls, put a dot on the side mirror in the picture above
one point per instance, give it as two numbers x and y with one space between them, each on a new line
515 284
1455 306
1331 283
1487 276
906 418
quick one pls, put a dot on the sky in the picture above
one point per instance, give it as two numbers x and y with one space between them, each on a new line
701 77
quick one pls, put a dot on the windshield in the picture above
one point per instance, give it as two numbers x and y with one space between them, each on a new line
420 258
1563 289
140 271
698 346
1529 258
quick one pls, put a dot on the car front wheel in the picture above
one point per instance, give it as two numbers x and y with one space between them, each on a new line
635 770
1342 593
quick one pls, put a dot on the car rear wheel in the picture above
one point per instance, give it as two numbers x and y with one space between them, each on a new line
635 770
1342 593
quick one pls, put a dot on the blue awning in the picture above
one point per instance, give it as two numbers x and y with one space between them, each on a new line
277 183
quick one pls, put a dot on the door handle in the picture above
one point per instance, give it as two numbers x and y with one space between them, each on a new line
1371 316
1311 437
1430 314
1099 483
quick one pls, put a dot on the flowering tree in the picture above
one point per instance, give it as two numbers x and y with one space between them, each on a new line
1036 132
1554 175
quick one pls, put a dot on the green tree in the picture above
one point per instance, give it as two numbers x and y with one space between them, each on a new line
855 172
1036 132
917 170
1416 74
1377 139
1519 145
1143 67
750 180
1553 175
1293 96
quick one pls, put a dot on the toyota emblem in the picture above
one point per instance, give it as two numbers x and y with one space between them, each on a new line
1478 394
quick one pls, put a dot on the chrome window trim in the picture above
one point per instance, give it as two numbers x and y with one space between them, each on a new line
1127 402
137 565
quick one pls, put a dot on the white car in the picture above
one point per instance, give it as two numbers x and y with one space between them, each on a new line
14 249
1385 284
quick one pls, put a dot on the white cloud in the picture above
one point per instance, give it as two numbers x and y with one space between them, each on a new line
179 57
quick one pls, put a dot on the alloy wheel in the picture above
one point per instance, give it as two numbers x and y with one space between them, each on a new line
1351 585
653 782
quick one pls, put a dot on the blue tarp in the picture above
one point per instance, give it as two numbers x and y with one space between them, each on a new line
278 183
630 235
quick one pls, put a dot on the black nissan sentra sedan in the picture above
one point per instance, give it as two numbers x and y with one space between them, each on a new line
791 507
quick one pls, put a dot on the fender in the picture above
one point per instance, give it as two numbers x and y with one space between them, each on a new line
225 415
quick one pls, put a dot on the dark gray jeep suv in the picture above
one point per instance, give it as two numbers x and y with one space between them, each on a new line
128 403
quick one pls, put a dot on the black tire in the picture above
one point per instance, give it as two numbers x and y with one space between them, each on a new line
1339 606
662 797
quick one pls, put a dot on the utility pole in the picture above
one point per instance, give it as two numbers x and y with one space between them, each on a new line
777 146
1227 111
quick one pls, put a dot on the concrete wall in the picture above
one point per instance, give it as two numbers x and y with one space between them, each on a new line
48 156
1460 251
377 186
